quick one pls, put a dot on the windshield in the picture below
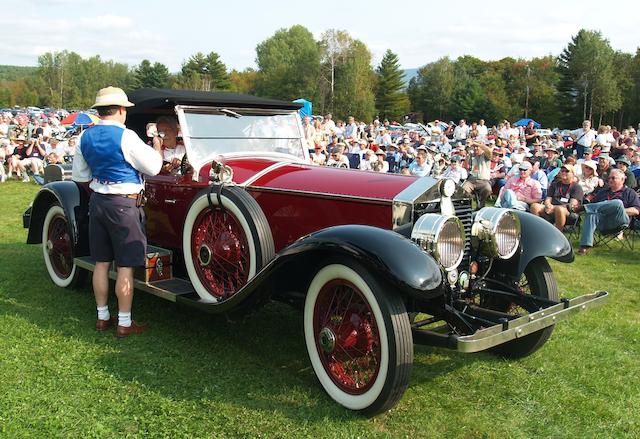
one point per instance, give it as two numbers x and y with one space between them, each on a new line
209 132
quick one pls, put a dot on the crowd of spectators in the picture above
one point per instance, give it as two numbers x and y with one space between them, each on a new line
553 176
28 143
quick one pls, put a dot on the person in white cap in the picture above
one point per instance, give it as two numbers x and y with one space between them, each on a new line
113 159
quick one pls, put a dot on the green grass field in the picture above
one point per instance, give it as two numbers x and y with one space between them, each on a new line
196 375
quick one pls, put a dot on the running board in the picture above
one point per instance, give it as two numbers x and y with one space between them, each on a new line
169 289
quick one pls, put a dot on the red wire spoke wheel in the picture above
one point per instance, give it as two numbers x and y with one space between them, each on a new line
225 245
358 337
57 248
220 252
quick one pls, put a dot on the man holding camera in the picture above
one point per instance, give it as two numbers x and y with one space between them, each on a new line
113 158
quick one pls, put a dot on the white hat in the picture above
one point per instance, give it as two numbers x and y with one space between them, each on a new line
112 96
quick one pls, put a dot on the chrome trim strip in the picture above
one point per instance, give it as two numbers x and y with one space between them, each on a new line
319 194
264 172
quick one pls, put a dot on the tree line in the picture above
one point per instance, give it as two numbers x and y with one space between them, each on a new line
588 80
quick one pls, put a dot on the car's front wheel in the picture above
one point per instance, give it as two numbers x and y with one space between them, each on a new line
358 338
57 249
537 280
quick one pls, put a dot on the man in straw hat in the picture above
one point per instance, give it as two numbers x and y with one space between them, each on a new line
113 159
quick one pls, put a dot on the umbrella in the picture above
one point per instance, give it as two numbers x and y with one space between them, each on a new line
80 119
524 122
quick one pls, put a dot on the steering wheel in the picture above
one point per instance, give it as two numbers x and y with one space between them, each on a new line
184 164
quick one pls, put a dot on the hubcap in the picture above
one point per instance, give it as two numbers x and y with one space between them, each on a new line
327 340
204 255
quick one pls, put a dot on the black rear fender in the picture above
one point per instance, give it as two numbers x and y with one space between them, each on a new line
73 199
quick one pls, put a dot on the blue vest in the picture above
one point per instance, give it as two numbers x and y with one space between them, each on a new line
101 147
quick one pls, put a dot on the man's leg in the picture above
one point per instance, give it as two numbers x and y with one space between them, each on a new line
590 223
560 214
101 283
537 209
124 289
612 215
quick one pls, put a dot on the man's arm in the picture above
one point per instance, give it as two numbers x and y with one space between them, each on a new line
141 156
80 170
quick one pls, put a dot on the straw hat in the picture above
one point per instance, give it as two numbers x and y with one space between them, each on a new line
112 96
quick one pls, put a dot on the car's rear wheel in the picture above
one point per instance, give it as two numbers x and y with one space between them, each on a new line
537 280
358 338
225 245
57 249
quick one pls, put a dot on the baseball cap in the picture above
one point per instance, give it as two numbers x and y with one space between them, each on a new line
525 166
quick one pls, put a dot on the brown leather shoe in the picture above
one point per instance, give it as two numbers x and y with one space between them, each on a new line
584 251
103 325
125 331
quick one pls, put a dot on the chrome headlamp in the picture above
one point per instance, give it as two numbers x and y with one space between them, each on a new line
499 231
442 237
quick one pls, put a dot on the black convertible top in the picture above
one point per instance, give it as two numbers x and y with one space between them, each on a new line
160 98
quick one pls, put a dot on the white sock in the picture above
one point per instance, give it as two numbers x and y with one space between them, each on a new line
103 312
124 319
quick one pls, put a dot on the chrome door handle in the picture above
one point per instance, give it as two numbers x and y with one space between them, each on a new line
170 201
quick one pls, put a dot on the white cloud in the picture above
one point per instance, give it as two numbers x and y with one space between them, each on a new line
106 22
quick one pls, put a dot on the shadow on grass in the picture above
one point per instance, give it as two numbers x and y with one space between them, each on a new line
260 364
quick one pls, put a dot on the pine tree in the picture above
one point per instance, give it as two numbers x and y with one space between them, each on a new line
392 101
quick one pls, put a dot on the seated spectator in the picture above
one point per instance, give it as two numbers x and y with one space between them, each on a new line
611 209
635 162
166 140
420 167
368 159
15 160
36 153
498 174
623 164
551 162
604 166
521 190
478 182
455 171
318 156
563 197
588 178
54 153
519 154
380 164
540 176
337 158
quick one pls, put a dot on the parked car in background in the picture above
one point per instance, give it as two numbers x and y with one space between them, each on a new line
374 262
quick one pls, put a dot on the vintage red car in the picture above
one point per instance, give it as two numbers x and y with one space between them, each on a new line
376 262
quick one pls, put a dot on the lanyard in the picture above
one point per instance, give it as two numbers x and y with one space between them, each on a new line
565 195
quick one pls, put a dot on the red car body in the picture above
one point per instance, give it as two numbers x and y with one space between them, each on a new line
361 253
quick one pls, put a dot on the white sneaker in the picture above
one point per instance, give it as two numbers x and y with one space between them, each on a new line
25 178
3 178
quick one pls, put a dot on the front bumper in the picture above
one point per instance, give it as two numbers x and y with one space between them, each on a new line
498 334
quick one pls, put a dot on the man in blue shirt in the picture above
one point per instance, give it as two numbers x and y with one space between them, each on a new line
113 159
612 208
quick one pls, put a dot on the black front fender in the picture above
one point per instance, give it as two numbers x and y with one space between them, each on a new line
73 199
539 238
391 257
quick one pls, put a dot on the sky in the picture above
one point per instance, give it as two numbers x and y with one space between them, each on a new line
419 32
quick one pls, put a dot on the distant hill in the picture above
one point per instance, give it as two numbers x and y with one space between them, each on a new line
11 73
408 74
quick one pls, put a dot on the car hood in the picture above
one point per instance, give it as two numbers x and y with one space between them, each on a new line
306 178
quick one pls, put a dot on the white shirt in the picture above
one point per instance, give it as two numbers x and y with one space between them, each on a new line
456 175
587 139
482 131
169 154
461 132
138 154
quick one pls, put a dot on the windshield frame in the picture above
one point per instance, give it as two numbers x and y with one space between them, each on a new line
182 110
